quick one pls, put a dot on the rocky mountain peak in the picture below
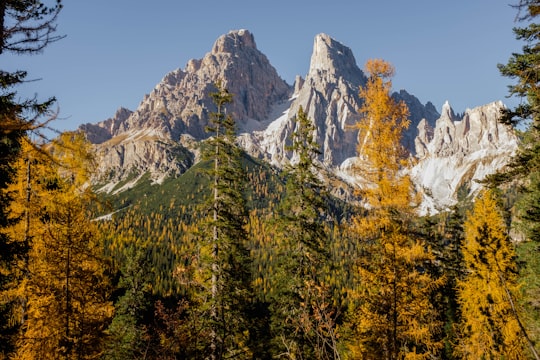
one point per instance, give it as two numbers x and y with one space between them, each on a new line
460 151
234 41
162 135
447 113
332 57
329 96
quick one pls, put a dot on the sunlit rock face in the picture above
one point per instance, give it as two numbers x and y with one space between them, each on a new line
162 136
458 152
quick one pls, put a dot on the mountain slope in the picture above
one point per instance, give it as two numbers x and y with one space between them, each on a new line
161 137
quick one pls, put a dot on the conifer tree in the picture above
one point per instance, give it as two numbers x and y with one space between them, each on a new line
63 290
525 165
523 171
304 316
127 336
26 27
394 317
226 255
490 326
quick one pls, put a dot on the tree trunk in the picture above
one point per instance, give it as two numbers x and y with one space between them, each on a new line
215 253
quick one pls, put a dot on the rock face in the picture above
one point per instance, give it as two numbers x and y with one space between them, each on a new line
180 105
161 136
419 114
329 96
105 130
458 152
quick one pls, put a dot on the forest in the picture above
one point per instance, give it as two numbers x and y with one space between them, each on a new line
237 260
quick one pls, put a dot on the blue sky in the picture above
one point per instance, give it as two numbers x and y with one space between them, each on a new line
116 51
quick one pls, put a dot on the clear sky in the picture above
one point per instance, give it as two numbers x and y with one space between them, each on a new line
116 51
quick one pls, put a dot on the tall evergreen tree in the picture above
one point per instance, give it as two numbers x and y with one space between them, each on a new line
304 315
525 165
394 318
127 336
523 171
225 257
490 324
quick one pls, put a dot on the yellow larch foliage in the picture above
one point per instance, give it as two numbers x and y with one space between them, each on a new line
393 317
489 328
62 287
379 148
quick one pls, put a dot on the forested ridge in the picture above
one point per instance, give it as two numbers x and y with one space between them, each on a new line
237 259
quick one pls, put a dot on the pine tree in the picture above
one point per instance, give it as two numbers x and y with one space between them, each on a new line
225 258
304 315
394 317
525 165
523 171
490 327
127 336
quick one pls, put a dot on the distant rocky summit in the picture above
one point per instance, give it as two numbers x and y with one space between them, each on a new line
459 152
160 137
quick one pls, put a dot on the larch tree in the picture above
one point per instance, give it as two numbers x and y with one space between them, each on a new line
26 27
63 290
490 325
393 318
304 321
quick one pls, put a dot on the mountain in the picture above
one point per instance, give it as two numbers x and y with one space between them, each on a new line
161 136
158 136
459 152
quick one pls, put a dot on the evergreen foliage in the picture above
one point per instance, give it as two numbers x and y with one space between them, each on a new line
127 335
223 254
525 165
304 323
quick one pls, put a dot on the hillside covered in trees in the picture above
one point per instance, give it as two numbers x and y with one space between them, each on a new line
236 259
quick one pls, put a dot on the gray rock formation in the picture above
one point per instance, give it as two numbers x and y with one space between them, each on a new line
330 97
161 136
105 130
419 114
459 152
180 105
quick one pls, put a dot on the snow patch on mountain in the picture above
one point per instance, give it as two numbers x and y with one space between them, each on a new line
162 136
461 153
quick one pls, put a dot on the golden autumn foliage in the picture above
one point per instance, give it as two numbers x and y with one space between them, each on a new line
379 148
489 328
393 318
62 290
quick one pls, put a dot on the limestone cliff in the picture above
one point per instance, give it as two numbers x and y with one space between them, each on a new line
161 137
